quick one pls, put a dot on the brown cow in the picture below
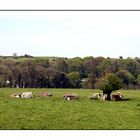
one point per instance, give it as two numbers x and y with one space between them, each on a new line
70 96
46 94
117 96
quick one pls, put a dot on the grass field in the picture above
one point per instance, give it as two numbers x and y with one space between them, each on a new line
55 113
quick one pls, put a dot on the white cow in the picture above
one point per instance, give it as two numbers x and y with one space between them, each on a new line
95 96
104 97
27 95
16 95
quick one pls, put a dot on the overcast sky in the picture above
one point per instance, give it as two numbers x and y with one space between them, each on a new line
70 33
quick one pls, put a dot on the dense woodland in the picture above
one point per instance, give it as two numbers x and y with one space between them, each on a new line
54 72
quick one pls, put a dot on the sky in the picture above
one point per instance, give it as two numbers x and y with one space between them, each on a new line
70 33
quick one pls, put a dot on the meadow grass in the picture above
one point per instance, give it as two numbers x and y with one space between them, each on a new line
54 113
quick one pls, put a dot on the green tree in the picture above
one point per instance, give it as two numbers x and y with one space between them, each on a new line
126 77
75 64
60 65
90 81
106 63
74 78
109 83
40 62
10 63
4 75
89 67
138 79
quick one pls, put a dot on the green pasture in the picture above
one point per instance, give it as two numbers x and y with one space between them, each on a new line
49 113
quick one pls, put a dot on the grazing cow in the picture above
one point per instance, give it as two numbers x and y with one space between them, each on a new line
70 96
27 95
46 94
16 95
95 96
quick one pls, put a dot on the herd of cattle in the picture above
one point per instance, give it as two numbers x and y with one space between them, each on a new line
70 96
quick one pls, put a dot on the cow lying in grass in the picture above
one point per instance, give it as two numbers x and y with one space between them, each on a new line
16 95
71 96
23 95
114 97
96 96
104 97
46 94
27 95
117 96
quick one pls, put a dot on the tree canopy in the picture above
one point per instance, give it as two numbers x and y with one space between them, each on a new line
109 83
41 72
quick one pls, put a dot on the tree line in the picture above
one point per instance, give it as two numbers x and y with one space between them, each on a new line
56 72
